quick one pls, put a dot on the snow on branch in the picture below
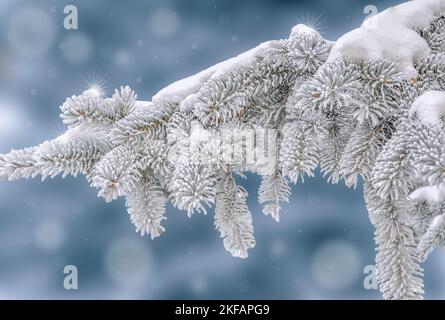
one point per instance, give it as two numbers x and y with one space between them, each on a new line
391 34
430 107
368 108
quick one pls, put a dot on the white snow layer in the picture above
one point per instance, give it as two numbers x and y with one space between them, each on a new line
429 194
439 220
390 34
429 107
178 91
387 35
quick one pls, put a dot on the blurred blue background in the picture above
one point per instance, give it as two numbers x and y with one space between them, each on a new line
317 251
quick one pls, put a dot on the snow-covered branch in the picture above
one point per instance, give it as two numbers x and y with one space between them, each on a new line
370 107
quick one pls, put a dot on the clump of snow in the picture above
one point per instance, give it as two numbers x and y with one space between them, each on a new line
142 104
179 90
199 134
188 104
438 221
429 194
301 29
390 35
77 133
429 107
94 91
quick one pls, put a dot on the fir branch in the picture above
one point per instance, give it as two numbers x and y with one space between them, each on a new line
233 219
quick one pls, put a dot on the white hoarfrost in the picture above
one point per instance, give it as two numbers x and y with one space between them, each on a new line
390 34
430 107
